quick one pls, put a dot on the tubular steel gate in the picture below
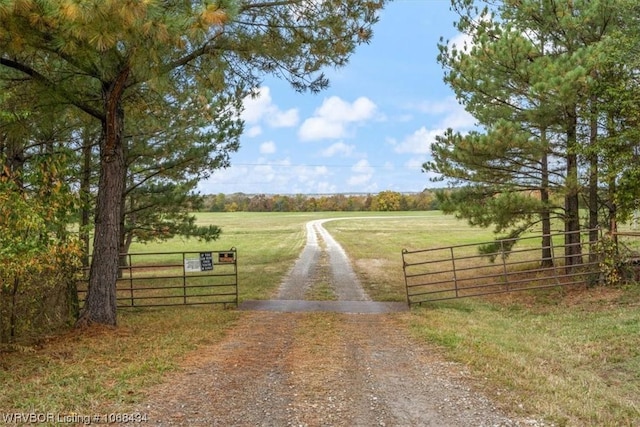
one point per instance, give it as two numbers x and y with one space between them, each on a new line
163 279
462 271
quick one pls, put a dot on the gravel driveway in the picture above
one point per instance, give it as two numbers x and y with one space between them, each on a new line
321 368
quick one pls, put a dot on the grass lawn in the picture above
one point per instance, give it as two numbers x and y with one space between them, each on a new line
571 356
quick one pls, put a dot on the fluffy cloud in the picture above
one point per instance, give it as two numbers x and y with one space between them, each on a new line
283 119
452 114
362 174
261 109
418 142
339 148
461 42
253 131
415 163
362 166
268 147
280 176
334 117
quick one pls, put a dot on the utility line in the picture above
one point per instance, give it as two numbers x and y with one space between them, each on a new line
306 165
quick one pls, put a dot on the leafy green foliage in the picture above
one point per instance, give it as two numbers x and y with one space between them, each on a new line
39 261
387 201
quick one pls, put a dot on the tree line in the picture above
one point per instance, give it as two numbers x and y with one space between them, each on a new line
383 201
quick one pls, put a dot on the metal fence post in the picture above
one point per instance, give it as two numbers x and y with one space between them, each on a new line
130 279
455 276
184 279
406 281
504 265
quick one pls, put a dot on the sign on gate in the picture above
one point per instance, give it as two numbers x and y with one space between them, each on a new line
191 265
206 261
224 257
175 278
202 263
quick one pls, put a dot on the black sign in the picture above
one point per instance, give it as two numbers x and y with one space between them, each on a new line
206 261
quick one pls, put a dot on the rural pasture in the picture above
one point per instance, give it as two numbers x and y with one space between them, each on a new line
570 356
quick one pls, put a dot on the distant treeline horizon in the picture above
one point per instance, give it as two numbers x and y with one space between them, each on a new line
383 201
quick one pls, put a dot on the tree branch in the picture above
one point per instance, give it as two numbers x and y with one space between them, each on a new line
43 81
276 3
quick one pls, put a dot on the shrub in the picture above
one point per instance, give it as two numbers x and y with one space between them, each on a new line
39 262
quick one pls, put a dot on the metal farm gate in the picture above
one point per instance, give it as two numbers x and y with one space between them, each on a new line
513 265
163 279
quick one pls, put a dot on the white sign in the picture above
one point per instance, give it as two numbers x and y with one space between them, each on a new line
191 265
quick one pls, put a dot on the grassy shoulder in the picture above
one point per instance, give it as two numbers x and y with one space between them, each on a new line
571 356
80 371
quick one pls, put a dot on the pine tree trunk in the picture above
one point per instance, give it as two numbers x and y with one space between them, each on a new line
124 238
573 251
593 182
85 197
100 304
545 215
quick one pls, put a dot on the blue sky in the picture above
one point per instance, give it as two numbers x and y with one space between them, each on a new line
370 131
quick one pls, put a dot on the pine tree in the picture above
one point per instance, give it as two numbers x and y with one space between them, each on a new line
528 78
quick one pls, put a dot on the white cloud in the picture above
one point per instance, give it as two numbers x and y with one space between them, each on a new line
459 120
319 128
268 147
283 119
260 108
253 131
450 113
324 187
335 109
418 142
362 166
359 180
270 177
339 148
363 173
255 107
332 119
311 179
440 107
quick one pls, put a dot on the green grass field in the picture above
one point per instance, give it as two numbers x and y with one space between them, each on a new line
571 356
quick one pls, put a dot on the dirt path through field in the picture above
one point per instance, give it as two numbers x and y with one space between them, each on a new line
320 368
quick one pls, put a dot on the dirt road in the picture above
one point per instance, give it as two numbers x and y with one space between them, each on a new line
321 368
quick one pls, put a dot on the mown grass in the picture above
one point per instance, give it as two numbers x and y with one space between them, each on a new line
375 244
574 362
570 356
